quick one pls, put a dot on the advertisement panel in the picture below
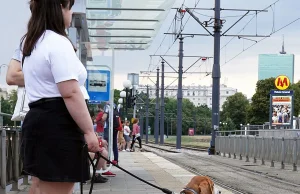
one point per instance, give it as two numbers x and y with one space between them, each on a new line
281 107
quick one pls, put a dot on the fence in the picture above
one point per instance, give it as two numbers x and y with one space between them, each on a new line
263 133
273 149
10 161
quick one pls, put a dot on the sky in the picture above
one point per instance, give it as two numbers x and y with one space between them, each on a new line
240 73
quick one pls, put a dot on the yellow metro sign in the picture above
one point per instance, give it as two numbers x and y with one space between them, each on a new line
282 82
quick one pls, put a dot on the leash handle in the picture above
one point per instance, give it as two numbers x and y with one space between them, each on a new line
97 156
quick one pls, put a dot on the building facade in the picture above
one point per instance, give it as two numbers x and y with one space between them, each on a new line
273 65
198 95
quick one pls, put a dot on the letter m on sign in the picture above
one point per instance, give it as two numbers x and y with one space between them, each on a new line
282 82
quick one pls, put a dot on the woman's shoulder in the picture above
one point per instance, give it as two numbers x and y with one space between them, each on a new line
52 38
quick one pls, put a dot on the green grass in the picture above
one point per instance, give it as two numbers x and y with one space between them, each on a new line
193 141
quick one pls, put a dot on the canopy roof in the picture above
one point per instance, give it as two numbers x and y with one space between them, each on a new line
124 24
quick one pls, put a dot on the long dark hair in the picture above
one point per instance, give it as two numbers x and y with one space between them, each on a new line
46 15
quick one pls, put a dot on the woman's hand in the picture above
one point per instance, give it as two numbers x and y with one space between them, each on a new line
92 142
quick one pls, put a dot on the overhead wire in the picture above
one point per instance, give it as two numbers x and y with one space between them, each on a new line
174 20
242 30
181 29
261 40
254 16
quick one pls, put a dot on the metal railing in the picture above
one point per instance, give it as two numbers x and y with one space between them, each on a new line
285 150
10 160
263 133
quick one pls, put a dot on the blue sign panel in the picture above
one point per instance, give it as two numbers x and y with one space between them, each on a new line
280 92
98 85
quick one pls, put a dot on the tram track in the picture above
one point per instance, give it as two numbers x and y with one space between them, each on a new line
198 148
253 176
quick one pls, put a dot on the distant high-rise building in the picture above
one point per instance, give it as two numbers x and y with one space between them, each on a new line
273 65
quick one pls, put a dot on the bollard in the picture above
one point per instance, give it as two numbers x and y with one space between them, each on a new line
254 150
247 148
282 153
26 180
295 154
234 147
224 146
219 152
3 161
16 162
262 151
241 148
229 152
272 152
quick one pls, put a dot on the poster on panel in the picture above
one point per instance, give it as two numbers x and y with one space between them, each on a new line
98 85
281 107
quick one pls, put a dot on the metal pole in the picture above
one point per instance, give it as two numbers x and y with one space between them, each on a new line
162 104
157 109
1 117
147 114
171 127
167 128
134 107
142 124
3 160
123 109
126 105
216 75
194 122
179 95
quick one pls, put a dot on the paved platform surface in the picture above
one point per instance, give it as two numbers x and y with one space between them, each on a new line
148 166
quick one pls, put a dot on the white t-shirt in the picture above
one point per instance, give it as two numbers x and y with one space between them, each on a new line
52 61
126 128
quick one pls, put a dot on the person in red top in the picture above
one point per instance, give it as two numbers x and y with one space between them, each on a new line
135 134
99 121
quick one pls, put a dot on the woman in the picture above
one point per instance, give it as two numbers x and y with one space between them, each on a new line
57 131
126 135
121 140
135 133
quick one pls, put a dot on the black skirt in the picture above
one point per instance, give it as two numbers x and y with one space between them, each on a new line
52 146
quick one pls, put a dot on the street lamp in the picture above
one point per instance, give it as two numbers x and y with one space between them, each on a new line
124 94
120 101
3 65
127 84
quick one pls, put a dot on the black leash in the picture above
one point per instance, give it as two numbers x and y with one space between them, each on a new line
164 190
97 158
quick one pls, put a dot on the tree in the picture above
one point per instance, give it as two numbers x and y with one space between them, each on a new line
260 106
116 96
227 125
13 97
296 88
8 106
235 110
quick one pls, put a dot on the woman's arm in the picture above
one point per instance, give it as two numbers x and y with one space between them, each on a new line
14 75
76 106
